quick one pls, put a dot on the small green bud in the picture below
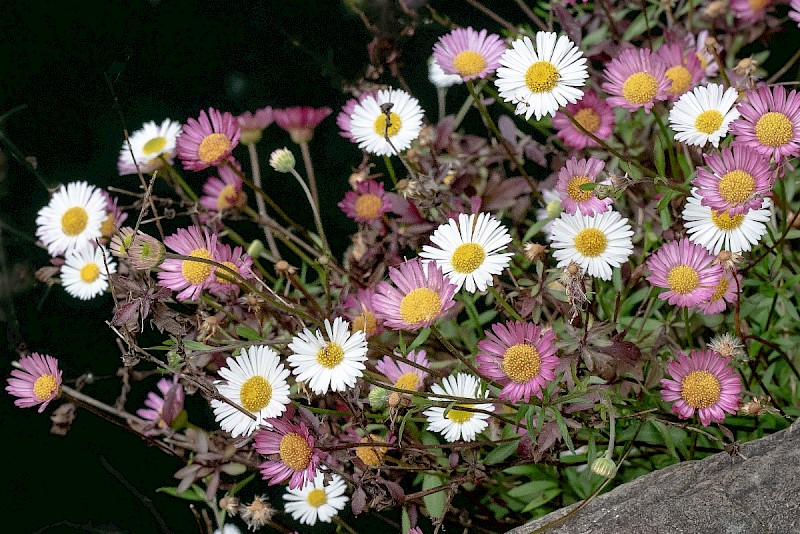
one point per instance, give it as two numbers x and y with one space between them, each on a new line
255 249
605 467
377 398
282 160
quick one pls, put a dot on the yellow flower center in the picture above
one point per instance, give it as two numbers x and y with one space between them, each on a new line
467 257
44 387
722 287
574 189
420 305
366 322
222 272
154 146
371 456
709 121
640 88
541 77
90 272
74 221
213 147
774 129
107 228
521 362
680 78
317 497
737 186
700 389
330 355
469 63
196 272
703 60
757 4
723 221
394 125
408 381
368 205
256 392
459 416
590 242
228 197
589 119
294 451
683 279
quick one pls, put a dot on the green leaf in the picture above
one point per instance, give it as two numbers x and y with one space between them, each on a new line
196 345
666 436
529 489
241 485
659 152
562 426
405 521
247 333
544 498
420 339
190 494
500 453
434 502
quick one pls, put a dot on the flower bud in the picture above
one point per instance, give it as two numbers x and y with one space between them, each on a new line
146 252
377 398
255 249
605 467
282 160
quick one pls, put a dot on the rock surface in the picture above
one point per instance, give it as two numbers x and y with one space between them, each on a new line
716 495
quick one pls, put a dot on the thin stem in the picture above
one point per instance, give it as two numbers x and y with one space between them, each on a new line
468 102
175 175
441 94
255 168
454 351
491 14
390 168
314 209
673 160
312 181
531 15
511 311
785 68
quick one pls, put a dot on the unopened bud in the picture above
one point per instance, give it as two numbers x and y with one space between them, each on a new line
146 252
282 160
605 467
255 249
377 398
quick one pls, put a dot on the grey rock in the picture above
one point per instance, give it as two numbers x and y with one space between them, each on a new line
720 494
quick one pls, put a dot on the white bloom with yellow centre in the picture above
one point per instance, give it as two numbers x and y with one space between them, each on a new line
598 243
718 231
150 146
72 219
386 123
453 423
469 251
255 381
317 501
332 364
541 79
84 274
703 115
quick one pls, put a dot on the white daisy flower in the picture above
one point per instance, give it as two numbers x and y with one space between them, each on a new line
256 381
719 231
541 79
84 274
703 115
439 78
149 144
458 424
370 128
597 242
72 219
469 251
316 500
334 364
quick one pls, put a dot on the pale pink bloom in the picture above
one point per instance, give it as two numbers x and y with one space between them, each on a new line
403 375
686 270
163 409
254 124
360 311
575 173
724 293
223 192
343 118
291 450
769 122
300 121
750 10
237 260
38 382
114 215
794 11
707 60
209 140
636 79
592 113
469 53
704 382
188 277
684 70
368 203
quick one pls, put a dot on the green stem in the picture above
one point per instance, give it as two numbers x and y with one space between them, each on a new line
262 208
390 168
511 311
312 181
314 210
673 160
454 351
175 175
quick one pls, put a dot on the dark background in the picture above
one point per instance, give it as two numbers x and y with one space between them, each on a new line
167 60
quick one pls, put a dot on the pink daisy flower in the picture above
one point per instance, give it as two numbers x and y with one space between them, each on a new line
223 193
291 450
794 11
769 122
300 121
209 140
38 382
360 311
592 113
163 409
403 375
739 179
750 11
683 69
469 53
254 124
704 382
188 277
235 259
422 295
686 270
724 292
343 118
520 357
707 60
571 177
114 215
636 79
367 203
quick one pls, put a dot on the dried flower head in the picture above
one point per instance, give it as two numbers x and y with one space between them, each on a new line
258 513
728 260
729 346
534 251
